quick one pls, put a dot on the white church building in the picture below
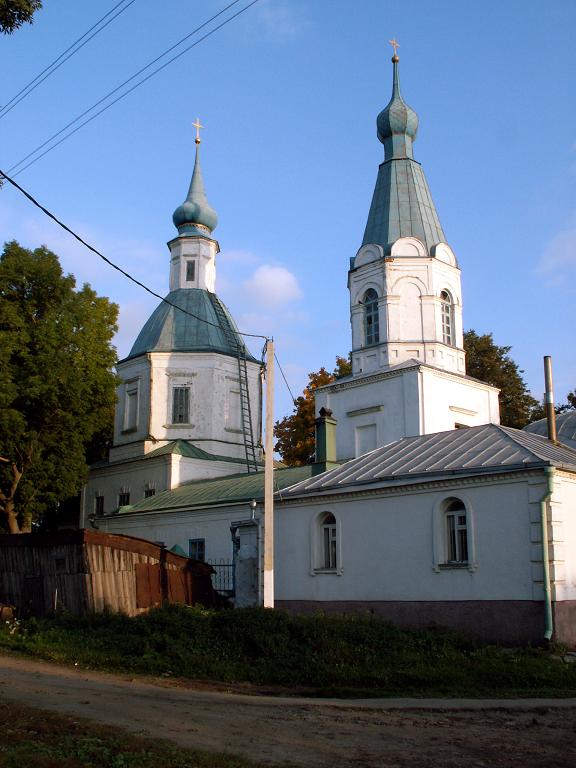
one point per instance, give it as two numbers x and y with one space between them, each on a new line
420 506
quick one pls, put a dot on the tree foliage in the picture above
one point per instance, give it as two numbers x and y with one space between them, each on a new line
491 363
57 386
295 433
14 13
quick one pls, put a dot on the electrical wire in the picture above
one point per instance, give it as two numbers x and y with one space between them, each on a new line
284 377
111 263
133 88
62 58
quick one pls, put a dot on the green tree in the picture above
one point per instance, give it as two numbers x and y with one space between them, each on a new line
491 363
14 13
295 433
57 386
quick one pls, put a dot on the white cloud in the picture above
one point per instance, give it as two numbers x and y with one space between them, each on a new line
272 286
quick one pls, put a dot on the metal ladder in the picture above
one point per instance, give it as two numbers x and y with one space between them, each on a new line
245 407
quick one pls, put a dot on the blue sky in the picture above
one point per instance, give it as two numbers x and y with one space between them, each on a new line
289 94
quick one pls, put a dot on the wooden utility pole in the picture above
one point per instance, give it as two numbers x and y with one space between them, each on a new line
269 480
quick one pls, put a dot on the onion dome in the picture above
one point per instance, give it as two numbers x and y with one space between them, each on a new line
397 124
195 216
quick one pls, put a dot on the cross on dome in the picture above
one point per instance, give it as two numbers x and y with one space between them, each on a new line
394 45
197 126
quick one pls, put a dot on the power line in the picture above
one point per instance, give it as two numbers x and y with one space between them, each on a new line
111 263
136 85
284 377
62 58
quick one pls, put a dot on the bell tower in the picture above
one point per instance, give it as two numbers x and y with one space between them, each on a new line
408 360
404 282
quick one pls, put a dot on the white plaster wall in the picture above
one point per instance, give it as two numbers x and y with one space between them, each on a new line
405 403
173 528
447 401
387 547
132 476
390 403
132 373
409 283
214 405
563 535
200 250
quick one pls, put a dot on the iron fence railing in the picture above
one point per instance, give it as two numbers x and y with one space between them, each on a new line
223 578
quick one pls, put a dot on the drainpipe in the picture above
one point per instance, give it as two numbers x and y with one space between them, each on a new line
549 623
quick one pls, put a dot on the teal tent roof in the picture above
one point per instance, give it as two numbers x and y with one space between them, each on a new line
170 330
402 205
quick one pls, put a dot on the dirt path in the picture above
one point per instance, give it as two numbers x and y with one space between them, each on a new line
305 732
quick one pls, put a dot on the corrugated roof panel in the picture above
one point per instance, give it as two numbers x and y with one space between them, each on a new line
482 448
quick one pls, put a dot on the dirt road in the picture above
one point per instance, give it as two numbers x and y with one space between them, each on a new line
305 732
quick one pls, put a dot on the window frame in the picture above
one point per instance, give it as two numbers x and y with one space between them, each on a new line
441 547
131 394
123 492
370 301
447 318
325 531
186 411
198 542
190 267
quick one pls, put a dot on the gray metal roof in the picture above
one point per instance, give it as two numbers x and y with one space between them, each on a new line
565 428
487 448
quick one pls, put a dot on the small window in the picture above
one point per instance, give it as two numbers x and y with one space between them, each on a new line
329 557
181 405
190 271
456 533
371 319
148 492
123 498
131 409
99 505
197 549
447 318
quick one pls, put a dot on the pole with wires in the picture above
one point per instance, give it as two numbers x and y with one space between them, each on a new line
268 577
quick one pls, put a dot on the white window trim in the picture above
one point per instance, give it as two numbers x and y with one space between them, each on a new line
316 544
439 541
179 383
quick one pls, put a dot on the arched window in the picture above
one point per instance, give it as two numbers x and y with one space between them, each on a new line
329 540
456 532
447 318
371 321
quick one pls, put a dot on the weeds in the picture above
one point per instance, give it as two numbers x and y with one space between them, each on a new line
360 655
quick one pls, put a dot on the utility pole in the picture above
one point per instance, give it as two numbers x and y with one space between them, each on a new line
269 480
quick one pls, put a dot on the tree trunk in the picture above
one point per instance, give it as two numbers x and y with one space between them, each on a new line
11 518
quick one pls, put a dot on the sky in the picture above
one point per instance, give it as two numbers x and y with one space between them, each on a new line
288 93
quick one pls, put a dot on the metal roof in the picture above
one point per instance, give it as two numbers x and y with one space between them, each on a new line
222 490
191 451
170 330
402 205
474 450
565 428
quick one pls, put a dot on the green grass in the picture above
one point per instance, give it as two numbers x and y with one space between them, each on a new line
323 655
31 738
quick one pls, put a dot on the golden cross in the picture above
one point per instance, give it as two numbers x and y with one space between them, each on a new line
197 126
394 45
